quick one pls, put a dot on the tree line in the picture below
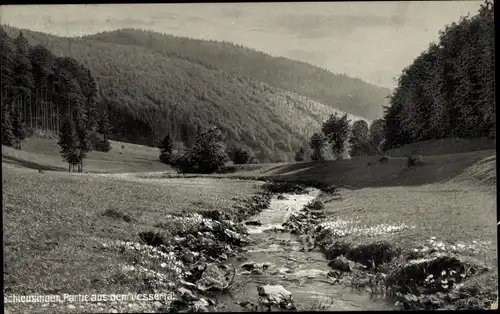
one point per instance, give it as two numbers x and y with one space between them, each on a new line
344 139
449 90
55 95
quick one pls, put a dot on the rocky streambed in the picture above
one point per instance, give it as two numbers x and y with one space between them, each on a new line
258 259
282 270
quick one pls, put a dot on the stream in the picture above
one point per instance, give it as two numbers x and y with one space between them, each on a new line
304 274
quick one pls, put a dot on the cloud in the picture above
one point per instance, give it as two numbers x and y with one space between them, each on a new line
321 25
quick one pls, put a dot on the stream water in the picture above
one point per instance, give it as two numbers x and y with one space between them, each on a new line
302 273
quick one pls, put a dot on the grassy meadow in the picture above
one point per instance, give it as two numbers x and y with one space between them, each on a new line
54 224
43 153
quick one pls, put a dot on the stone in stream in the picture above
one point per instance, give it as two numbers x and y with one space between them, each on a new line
284 271
275 296
187 284
275 229
253 223
341 263
188 256
249 266
200 305
187 295
214 278
266 265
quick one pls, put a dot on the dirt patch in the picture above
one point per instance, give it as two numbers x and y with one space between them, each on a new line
117 215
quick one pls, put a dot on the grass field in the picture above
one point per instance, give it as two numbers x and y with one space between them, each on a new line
53 224
53 221
40 153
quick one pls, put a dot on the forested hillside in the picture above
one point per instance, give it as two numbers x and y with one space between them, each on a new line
38 89
146 94
338 91
449 90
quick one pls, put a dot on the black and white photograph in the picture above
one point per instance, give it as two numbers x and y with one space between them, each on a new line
249 157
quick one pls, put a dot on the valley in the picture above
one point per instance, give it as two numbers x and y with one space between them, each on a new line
146 172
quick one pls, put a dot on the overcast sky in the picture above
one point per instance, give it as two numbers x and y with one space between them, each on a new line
370 40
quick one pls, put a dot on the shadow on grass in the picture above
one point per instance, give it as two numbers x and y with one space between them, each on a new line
364 172
31 164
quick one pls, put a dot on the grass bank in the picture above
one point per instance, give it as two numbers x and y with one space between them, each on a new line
431 214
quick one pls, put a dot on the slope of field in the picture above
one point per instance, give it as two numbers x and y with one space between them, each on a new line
338 91
44 154
443 147
444 218
149 93
364 172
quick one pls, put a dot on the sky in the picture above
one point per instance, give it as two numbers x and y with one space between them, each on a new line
370 40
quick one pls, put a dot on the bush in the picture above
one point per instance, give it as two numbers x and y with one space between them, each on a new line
103 146
98 142
165 157
299 155
315 205
415 160
240 156
175 157
207 155
284 187
384 159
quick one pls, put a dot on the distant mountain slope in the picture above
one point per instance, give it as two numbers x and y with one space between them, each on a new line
148 93
339 91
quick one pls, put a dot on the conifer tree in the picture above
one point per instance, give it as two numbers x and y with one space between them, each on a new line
167 144
18 127
84 145
299 155
8 138
68 141
317 143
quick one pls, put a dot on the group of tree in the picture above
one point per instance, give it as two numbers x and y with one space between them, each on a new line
341 137
56 95
207 154
240 155
449 90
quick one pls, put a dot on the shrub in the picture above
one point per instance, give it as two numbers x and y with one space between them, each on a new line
284 187
240 155
175 157
165 157
415 160
98 142
384 159
207 155
315 205
103 146
299 155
